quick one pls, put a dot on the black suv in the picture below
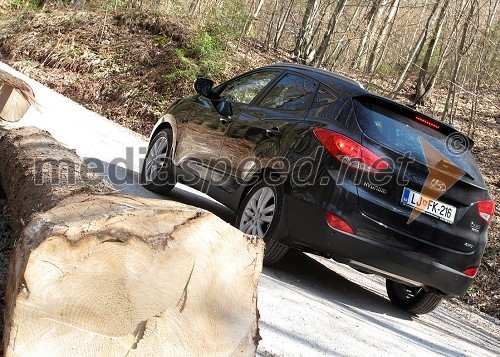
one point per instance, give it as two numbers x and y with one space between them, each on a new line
310 160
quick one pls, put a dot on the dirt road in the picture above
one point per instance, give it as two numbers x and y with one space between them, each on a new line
309 306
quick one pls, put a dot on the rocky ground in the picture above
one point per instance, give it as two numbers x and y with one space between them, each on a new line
123 64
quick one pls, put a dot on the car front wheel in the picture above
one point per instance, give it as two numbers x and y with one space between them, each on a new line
414 300
157 174
259 215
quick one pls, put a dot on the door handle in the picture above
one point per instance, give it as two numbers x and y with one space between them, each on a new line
226 120
274 132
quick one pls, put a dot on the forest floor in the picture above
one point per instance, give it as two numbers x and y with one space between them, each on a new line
123 65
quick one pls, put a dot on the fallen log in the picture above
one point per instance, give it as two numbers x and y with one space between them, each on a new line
16 96
98 273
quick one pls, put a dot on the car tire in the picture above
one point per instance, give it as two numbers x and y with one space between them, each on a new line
257 206
414 300
156 173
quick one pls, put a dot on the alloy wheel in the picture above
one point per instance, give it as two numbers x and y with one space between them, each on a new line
156 159
259 212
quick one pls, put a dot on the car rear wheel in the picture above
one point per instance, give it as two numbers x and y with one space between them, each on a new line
259 215
156 174
414 300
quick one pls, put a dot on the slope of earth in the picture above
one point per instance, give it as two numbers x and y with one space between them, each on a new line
123 65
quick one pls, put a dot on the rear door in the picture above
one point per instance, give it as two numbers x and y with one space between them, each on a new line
260 132
409 143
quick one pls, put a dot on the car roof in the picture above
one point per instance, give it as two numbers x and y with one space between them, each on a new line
346 86
342 84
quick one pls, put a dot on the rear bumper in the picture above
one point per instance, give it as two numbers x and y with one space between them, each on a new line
308 229
398 264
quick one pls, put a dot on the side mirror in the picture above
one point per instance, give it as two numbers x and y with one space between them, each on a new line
203 86
224 108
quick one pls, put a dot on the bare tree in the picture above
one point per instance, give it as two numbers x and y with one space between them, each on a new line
374 16
480 66
332 23
423 85
255 16
382 36
280 26
461 51
306 27
344 42
416 49
269 31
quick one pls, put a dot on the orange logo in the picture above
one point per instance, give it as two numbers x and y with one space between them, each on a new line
442 175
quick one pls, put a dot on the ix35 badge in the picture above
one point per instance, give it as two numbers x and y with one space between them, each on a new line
475 227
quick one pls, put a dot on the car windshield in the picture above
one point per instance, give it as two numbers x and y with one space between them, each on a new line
401 133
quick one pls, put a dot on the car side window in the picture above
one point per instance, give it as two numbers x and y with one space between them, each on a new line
324 97
290 93
325 105
244 90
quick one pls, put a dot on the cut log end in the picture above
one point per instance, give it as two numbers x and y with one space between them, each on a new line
114 274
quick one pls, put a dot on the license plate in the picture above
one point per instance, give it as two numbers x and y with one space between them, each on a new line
429 206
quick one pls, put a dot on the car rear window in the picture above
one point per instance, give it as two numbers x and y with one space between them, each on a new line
395 129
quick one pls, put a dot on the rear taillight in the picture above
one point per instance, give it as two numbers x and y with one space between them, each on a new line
350 152
338 223
471 271
486 209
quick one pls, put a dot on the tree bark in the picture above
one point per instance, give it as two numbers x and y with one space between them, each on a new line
269 32
423 86
254 17
461 50
327 36
373 18
280 27
382 35
96 272
310 13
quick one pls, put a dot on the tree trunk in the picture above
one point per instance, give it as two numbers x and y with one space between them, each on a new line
423 88
416 50
254 17
280 27
461 50
382 35
310 52
310 13
385 45
320 56
342 43
480 70
373 18
96 272
269 32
